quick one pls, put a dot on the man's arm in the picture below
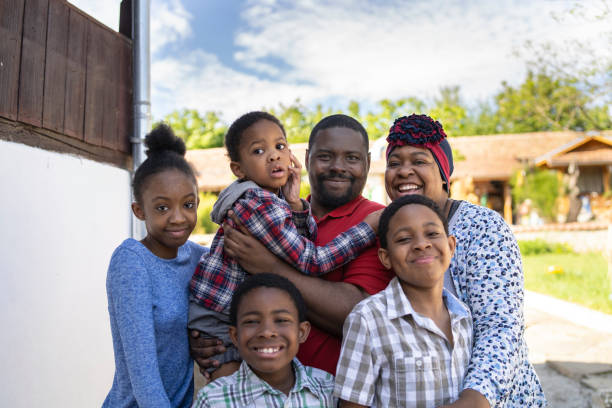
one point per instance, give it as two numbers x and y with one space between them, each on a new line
328 302
203 349
269 219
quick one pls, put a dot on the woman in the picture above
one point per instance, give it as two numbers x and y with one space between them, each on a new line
485 271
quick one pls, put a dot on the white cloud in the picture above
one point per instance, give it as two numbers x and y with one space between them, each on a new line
170 22
392 49
350 49
199 80
372 50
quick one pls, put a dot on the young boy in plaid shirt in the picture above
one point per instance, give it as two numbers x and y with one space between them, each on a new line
267 172
410 344
268 323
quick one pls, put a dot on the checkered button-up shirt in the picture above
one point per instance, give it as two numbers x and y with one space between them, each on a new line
313 388
394 357
288 235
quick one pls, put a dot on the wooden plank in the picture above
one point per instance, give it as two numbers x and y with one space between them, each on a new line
112 47
48 140
11 24
124 105
55 66
32 71
94 88
76 64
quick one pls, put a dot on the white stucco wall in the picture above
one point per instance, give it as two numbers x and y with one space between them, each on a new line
61 217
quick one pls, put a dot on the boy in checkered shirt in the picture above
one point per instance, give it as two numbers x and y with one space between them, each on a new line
268 323
265 199
410 344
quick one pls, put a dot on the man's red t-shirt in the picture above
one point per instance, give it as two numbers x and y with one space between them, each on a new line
321 349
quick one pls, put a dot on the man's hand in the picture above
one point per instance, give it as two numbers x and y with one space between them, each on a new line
469 399
251 254
291 189
203 349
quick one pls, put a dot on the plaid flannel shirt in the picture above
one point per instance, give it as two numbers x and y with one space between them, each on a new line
312 389
394 357
288 235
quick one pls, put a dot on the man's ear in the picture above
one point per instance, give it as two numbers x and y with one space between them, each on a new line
383 255
304 330
233 334
368 161
236 169
138 211
306 164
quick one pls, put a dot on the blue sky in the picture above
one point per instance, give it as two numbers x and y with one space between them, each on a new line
232 56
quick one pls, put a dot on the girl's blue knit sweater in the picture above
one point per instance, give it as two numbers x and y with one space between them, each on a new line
148 300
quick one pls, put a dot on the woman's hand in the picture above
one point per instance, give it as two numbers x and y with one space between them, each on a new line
291 189
372 219
469 399
251 254
202 350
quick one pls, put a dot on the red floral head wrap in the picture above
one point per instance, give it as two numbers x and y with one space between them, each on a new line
424 132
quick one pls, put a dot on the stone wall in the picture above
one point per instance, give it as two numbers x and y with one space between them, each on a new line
582 237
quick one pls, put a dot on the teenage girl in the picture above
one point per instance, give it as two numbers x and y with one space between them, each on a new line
147 283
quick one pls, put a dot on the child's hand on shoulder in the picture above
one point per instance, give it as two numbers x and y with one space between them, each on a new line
291 190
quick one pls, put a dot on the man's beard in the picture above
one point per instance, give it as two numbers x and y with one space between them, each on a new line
331 201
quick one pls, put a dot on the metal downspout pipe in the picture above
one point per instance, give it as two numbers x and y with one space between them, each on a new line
142 91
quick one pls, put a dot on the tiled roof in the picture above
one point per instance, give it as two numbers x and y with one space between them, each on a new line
586 150
496 157
491 157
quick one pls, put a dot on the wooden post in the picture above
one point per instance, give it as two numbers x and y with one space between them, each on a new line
609 257
507 203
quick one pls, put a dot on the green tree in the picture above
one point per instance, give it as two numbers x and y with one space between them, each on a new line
543 103
298 120
377 123
205 224
448 109
577 63
541 186
198 132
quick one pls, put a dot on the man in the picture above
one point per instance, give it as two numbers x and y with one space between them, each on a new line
337 161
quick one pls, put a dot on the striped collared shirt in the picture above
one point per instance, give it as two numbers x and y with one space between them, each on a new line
394 357
312 389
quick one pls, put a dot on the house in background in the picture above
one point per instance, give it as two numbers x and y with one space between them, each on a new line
484 165
587 163
592 158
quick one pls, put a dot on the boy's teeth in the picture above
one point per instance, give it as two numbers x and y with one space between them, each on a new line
268 350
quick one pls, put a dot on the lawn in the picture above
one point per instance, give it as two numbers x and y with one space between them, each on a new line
584 279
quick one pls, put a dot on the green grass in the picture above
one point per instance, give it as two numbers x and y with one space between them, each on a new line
584 279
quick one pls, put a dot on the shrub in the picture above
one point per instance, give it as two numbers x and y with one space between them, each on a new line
541 186
205 225
539 246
